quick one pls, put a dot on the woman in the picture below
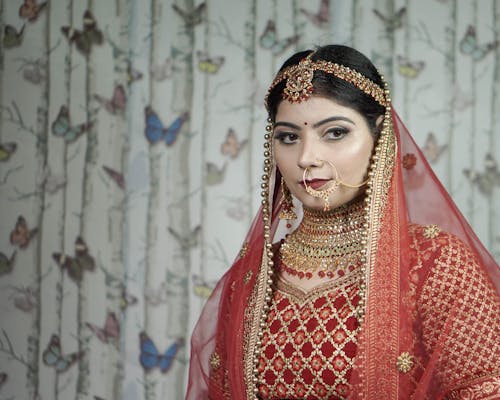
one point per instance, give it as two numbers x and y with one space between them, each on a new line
372 286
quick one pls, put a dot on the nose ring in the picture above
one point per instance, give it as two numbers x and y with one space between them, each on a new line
322 194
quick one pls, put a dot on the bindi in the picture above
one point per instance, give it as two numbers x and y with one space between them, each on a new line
305 123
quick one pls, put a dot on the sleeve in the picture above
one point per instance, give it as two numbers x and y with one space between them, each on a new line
460 313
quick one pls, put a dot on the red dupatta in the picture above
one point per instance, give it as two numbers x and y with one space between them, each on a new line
407 198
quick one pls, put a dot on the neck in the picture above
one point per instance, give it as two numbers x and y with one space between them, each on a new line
326 244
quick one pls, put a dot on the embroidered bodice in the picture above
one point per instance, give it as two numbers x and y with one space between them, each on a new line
310 341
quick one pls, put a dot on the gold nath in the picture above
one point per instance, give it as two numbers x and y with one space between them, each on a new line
299 80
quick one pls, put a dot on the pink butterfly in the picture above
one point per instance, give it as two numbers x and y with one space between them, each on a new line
111 328
116 176
117 103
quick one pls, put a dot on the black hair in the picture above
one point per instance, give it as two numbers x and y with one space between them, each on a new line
329 86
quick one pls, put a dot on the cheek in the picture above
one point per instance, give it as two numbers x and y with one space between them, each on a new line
282 159
356 159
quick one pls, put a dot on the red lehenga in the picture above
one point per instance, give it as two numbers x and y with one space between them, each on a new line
431 328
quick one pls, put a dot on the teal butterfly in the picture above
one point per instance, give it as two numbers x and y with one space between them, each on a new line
53 357
470 46
61 127
269 40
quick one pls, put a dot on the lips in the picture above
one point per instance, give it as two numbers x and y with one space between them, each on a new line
316 183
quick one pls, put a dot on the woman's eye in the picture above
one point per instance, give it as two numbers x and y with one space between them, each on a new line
286 137
336 134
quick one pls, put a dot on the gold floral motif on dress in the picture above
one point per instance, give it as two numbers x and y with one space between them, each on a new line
214 360
243 250
248 276
431 231
404 362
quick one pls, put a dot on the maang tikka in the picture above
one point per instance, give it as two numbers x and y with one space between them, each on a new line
287 211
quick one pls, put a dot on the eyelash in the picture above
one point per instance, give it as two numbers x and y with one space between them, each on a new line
337 131
289 138
283 136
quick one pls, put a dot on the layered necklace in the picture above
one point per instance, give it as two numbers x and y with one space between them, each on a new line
326 244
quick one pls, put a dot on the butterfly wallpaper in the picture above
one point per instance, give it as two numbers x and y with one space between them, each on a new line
131 153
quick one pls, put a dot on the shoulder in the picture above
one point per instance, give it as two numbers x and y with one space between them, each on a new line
432 247
448 269
434 238
442 260
457 303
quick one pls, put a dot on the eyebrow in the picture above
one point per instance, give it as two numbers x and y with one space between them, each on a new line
317 124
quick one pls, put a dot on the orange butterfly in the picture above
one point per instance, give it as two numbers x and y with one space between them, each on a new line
232 146
21 235
30 9
432 149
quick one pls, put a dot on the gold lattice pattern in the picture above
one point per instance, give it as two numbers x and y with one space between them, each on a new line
459 301
309 342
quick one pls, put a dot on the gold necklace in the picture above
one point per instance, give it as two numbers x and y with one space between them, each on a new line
329 244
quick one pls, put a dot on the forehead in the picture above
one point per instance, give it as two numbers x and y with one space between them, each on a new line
314 109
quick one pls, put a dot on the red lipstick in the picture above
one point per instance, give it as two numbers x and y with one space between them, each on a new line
316 183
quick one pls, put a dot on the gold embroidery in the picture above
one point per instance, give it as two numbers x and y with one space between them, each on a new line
404 362
313 340
486 389
214 361
247 277
431 231
244 249
300 296
457 298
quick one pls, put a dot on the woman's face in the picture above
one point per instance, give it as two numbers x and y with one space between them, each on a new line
313 133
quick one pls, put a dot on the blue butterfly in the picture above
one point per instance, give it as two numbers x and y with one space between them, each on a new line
150 356
155 131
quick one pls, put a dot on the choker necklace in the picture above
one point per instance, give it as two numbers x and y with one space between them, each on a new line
328 244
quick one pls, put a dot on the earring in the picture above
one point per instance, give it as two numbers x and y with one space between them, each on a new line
287 203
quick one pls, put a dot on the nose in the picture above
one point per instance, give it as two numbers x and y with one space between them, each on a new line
309 156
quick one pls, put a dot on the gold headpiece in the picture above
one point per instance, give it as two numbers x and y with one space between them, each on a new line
299 80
